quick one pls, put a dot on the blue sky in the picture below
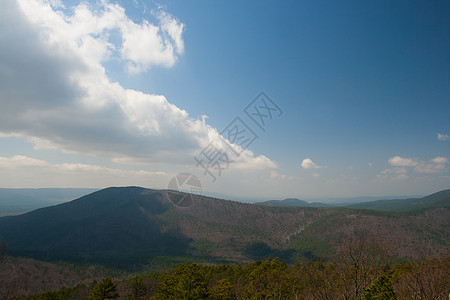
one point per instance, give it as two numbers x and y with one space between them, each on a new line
106 93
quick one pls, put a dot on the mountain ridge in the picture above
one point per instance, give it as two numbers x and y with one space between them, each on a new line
402 205
292 202
133 226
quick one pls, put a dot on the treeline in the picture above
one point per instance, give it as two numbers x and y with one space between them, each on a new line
362 270
354 277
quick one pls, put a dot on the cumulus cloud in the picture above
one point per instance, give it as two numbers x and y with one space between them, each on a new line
307 163
54 90
404 167
435 165
443 137
399 161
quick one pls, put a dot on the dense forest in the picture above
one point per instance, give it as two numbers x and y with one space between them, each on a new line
363 270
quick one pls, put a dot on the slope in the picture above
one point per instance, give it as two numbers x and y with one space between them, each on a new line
132 225
115 224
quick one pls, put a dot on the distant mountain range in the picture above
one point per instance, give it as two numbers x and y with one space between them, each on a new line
17 201
292 202
439 199
135 226
14 201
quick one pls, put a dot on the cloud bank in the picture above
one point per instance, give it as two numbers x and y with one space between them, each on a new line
38 173
401 165
54 90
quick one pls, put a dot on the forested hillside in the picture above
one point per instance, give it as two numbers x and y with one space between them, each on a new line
132 227
360 273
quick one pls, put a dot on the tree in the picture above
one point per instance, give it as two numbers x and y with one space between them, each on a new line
222 290
138 289
320 281
360 260
186 282
380 289
104 290
269 280
426 280
2 252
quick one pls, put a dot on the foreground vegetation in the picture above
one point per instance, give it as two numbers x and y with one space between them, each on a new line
362 271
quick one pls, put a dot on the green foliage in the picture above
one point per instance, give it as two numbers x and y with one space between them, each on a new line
62 294
381 289
138 289
273 279
223 290
186 282
104 290
269 280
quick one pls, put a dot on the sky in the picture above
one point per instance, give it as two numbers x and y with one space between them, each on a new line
257 99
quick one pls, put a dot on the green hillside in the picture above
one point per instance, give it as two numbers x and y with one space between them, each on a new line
133 226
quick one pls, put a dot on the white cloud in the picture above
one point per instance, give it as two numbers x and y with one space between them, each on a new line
443 137
435 165
279 176
440 160
398 161
315 175
307 163
400 177
147 44
19 161
394 171
59 96
38 173
399 172
429 168
276 175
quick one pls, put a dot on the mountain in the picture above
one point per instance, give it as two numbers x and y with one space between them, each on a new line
291 202
17 201
439 199
129 226
104 225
